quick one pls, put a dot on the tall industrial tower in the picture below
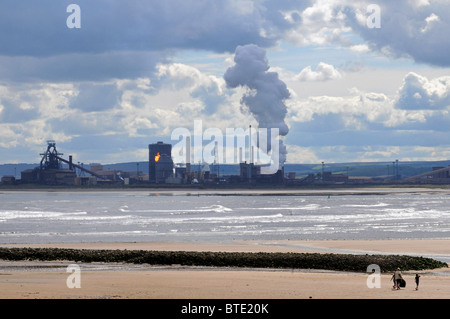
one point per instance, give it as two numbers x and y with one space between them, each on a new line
160 162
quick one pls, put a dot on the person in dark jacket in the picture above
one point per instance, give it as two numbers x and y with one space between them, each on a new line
417 281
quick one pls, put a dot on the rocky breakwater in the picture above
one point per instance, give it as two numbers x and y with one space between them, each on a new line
329 261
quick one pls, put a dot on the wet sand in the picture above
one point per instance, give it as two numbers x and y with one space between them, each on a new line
287 191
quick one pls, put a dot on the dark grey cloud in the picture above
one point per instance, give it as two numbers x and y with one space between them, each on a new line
407 135
81 67
125 39
96 97
106 149
38 28
13 113
408 30
211 97
18 106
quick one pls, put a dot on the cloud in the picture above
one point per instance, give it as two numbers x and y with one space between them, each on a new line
297 154
356 111
78 115
373 126
320 23
324 72
94 97
412 29
430 21
40 29
119 40
27 102
134 71
419 93
208 89
74 67
125 40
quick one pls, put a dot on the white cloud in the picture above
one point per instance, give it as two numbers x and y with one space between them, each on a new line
324 72
354 111
375 153
419 93
430 21
320 23
360 48
8 138
208 89
420 104
297 154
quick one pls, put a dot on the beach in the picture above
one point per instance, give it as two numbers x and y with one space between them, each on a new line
47 280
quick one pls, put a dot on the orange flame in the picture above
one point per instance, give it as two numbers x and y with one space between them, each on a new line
157 157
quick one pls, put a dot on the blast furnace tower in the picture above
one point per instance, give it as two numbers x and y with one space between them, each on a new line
160 162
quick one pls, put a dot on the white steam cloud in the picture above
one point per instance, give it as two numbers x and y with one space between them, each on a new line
266 94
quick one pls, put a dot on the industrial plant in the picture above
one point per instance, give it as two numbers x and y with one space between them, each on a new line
54 169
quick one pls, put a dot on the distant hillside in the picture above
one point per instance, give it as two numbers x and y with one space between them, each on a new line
375 169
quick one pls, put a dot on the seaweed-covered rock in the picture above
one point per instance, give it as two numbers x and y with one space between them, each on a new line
340 262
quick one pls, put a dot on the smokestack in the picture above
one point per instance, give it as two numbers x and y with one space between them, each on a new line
216 147
268 92
252 154
188 155
250 150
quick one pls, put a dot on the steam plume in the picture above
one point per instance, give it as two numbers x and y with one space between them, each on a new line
266 95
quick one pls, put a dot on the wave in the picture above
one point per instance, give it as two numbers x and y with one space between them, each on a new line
288 208
206 209
16 214
366 205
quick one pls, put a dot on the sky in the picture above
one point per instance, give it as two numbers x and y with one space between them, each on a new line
344 81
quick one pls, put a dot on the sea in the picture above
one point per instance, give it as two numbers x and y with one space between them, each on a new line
140 216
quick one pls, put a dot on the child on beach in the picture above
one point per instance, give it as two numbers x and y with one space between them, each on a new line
417 281
393 279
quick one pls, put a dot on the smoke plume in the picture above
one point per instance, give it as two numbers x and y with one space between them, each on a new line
266 94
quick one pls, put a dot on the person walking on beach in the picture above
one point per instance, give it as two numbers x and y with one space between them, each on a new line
417 281
393 279
398 278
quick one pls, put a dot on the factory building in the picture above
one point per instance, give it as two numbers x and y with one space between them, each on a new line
248 172
51 171
160 162
438 175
